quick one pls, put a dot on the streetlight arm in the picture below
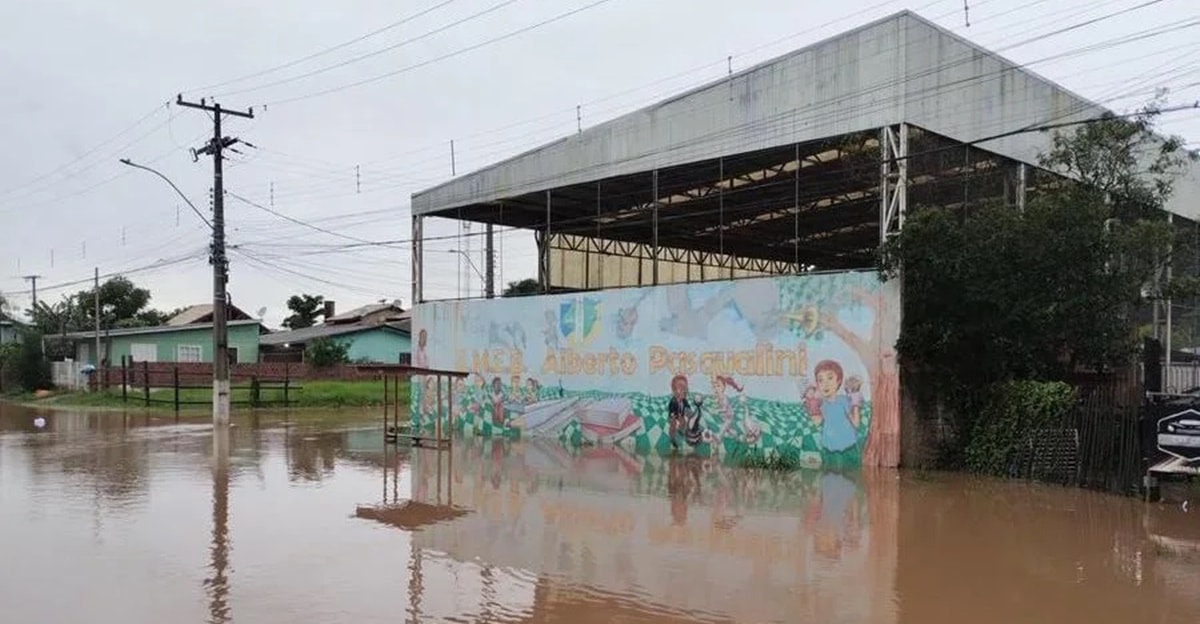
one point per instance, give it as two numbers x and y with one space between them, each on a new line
469 261
126 161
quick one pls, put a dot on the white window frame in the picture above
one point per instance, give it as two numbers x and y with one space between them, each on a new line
196 349
139 350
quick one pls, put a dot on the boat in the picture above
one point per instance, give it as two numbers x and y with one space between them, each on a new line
607 421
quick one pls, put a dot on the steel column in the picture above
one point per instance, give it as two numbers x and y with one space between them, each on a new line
654 193
418 260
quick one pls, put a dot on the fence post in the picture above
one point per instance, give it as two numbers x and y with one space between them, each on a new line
124 381
176 380
146 382
286 401
253 391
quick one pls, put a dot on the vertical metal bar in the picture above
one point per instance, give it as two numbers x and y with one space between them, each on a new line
545 250
654 193
1022 173
796 213
885 170
902 183
1170 307
418 260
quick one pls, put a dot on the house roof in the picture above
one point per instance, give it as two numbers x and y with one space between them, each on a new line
362 311
203 312
158 329
302 336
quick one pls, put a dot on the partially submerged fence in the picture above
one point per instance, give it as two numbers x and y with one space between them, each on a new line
177 386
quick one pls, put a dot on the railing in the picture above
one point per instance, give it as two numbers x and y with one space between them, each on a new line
137 377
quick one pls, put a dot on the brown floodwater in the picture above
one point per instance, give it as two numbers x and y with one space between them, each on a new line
309 518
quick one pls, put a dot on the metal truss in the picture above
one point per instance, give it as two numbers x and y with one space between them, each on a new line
893 180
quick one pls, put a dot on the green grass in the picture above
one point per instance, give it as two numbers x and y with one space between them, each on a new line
303 394
775 462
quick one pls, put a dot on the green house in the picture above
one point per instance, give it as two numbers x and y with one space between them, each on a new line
384 342
167 343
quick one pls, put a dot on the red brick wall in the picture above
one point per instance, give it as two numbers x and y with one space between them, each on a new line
162 374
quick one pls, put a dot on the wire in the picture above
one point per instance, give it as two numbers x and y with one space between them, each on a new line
158 264
335 48
361 57
302 223
508 35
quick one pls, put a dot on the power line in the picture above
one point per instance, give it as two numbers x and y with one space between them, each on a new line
335 48
301 223
361 57
509 35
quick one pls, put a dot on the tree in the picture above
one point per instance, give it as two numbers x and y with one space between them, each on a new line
122 304
527 286
326 352
306 309
992 294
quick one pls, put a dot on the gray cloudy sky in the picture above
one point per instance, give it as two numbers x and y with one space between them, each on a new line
87 83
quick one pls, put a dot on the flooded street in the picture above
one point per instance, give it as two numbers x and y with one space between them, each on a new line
136 518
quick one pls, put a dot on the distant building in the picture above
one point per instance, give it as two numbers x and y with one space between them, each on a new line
186 337
10 331
378 332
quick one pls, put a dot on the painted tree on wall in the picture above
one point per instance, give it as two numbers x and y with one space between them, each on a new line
812 305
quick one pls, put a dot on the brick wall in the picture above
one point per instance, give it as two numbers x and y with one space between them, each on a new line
162 374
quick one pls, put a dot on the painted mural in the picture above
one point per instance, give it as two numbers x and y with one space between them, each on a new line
797 365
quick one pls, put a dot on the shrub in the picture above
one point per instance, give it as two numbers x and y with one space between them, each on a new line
1009 414
326 352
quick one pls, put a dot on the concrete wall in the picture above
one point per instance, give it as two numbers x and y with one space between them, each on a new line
601 367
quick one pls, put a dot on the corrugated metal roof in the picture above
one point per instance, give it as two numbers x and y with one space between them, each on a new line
158 329
301 336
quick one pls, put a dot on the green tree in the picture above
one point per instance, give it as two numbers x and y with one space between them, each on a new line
992 294
306 309
122 304
32 370
527 286
326 352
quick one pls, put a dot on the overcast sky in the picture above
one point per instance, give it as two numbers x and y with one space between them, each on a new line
87 83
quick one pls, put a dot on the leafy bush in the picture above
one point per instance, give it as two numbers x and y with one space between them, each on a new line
326 352
755 459
1010 412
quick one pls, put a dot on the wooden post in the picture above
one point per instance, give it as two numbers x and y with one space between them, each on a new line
254 390
385 413
449 409
286 401
175 372
146 382
124 380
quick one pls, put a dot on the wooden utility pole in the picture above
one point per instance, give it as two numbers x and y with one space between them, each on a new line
32 279
96 302
219 261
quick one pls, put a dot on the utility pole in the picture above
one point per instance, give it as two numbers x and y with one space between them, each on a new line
96 302
220 263
32 279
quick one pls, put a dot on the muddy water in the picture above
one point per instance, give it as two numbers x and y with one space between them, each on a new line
112 518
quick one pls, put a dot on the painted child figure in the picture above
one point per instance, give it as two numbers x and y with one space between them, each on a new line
682 415
838 415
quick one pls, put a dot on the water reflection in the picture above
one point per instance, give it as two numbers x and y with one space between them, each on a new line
218 584
129 519
681 535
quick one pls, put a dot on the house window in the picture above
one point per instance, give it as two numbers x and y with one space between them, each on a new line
233 355
143 352
188 353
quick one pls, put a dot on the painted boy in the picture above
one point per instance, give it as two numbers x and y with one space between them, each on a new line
838 415
682 416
